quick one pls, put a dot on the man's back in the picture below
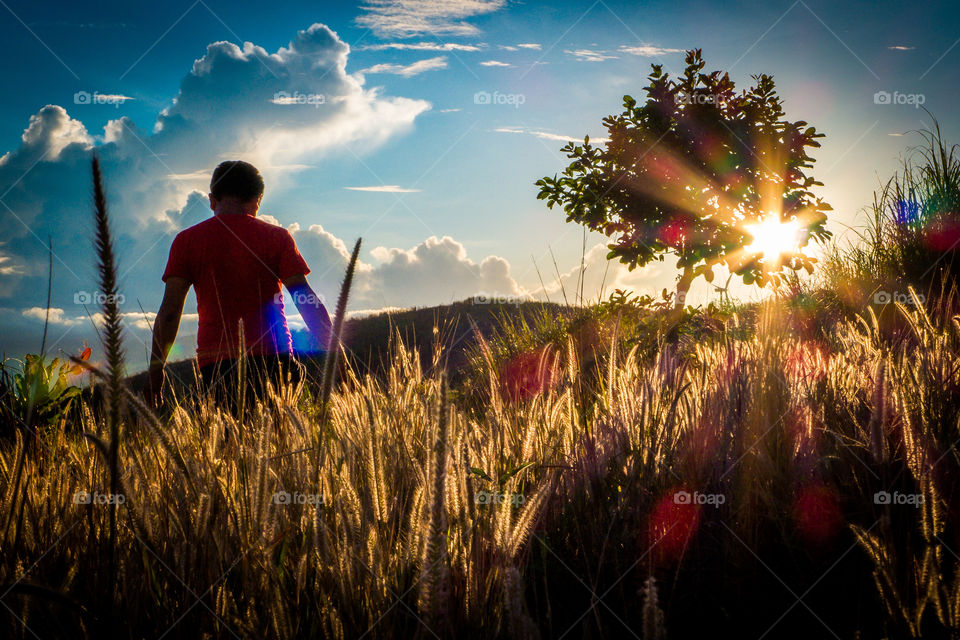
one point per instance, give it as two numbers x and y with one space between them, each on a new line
236 263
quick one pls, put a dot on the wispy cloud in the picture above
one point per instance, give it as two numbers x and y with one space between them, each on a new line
494 63
405 18
95 97
114 97
900 47
384 188
429 64
648 50
422 46
517 47
200 174
589 55
8 269
546 135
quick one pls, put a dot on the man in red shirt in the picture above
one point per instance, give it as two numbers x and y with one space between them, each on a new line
236 264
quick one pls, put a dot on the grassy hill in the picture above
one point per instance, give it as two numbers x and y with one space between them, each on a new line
367 339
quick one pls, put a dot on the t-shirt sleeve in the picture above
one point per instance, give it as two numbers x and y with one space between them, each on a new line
178 264
291 263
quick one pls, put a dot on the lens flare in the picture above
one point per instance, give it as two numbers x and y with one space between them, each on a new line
773 238
818 514
528 374
673 524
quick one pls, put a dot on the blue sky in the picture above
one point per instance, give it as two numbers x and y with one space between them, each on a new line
453 210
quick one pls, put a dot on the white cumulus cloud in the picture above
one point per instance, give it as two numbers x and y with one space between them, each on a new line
156 178
435 271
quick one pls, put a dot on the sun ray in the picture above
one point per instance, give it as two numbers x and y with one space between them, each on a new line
772 238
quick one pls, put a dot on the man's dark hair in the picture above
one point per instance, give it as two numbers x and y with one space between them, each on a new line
238 179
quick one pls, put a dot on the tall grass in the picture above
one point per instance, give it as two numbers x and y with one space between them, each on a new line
112 336
912 232
407 541
558 498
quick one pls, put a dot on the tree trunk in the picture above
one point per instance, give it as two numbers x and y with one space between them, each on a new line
683 287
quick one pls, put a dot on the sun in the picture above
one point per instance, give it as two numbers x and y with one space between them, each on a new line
773 238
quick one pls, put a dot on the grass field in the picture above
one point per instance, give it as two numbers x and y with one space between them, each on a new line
728 482
781 469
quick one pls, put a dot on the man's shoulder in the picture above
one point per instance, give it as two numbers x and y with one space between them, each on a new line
269 226
242 226
273 230
197 228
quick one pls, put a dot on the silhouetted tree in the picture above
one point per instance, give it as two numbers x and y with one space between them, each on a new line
687 172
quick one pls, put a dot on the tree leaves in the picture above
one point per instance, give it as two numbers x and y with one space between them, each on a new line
686 169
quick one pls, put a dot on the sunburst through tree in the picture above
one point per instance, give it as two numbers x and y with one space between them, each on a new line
712 176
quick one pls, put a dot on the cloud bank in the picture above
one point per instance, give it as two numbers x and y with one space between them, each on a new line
280 110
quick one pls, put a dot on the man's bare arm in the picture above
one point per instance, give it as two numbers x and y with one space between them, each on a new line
165 327
310 308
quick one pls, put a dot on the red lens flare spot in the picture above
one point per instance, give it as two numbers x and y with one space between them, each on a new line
528 374
673 233
943 234
673 523
817 514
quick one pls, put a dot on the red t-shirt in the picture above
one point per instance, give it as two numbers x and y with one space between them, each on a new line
236 263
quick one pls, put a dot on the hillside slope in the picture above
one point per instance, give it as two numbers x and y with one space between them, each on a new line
367 338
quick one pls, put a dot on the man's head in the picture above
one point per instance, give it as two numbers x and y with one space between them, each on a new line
236 187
